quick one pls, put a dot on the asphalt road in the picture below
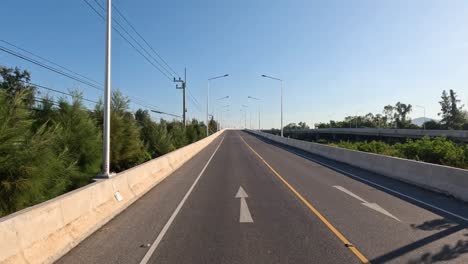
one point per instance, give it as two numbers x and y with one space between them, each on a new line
246 200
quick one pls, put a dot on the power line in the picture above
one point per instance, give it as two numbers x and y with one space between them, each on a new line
57 91
194 99
194 102
157 54
165 113
131 44
136 41
51 62
48 67
21 56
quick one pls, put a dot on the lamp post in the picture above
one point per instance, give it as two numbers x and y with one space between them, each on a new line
256 99
245 112
245 119
107 95
424 109
281 81
208 101
221 118
221 114
213 109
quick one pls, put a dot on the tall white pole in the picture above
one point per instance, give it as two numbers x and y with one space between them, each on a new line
207 107
220 125
259 117
107 94
281 108
424 124
245 120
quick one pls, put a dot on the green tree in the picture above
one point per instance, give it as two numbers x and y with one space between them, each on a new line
401 114
33 168
15 82
212 125
177 134
451 113
81 137
192 131
127 148
432 125
303 125
389 113
154 136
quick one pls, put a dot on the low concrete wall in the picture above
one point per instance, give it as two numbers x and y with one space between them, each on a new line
444 179
45 232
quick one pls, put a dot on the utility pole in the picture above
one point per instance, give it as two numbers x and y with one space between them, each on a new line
183 86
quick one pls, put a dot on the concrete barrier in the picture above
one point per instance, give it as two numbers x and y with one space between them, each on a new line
45 232
443 179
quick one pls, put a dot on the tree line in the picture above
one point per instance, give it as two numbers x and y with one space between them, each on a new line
452 116
50 147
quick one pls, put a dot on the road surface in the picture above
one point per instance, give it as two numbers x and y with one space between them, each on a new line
246 200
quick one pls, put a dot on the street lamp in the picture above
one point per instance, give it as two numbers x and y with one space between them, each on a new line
208 100
281 81
246 106
256 99
245 115
213 109
424 108
221 117
221 114
107 95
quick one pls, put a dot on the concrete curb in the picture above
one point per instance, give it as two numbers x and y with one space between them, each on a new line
443 179
45 232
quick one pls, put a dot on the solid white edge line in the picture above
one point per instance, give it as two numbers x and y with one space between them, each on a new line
155 244
378 185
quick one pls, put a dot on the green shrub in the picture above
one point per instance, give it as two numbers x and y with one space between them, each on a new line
438 151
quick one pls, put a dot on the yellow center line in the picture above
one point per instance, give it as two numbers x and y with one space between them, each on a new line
312 208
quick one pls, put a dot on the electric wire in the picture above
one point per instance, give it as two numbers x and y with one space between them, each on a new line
144 40
136 41
130 43
22 56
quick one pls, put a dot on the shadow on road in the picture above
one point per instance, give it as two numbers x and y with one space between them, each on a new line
436 224
447 253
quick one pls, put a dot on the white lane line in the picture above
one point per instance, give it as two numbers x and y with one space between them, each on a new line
372 206
155 244
383 187
245 216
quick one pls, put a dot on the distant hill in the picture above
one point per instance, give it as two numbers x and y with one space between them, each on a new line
421 120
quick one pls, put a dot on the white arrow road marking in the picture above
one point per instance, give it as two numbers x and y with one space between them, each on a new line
245 216
372 206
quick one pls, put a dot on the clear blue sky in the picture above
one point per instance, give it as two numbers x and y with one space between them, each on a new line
336 57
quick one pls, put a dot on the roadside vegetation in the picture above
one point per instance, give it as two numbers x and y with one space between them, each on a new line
438 150
49 147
